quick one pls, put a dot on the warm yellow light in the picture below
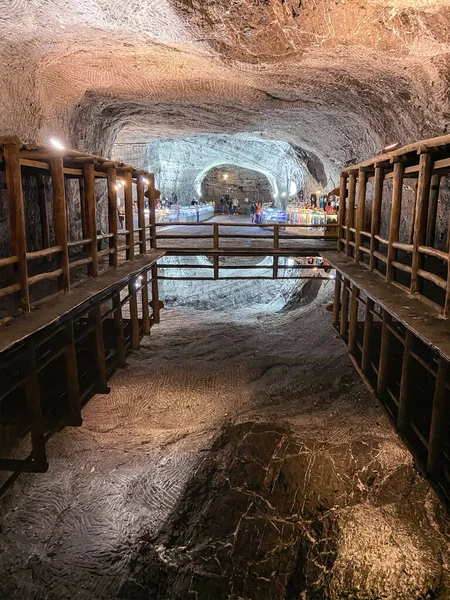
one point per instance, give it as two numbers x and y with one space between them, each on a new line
146 181
225 176
390 147
55 143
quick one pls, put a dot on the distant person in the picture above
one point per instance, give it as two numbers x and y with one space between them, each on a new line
230 206
329 208
121 217
194 202
258 213
235 206
253 211
223 204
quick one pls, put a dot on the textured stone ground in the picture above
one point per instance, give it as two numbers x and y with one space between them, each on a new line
237 456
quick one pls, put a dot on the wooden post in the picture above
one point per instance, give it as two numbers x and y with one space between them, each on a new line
351 344
437 429
413 219
141 214
394 228
33 398
60 218
134 315
341 216
420 224
83 208
337 300
91 216
344 310
384 354
17 222
73 388
447 290
402 415
368 325
113 216
350 212
43 212
216 266
360 212
216 236
155 295
432 209
376 213
128 194
275 267
145 311
100 358
276 236
120 338
152 206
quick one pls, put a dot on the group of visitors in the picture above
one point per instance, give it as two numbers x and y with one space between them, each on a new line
231 204
256 212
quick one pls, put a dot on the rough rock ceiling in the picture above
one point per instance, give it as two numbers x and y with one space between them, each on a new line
336 78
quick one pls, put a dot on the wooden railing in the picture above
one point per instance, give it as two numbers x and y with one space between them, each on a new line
417 260
51 166
326 231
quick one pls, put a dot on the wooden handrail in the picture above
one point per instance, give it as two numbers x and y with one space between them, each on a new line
44 252
9 260
44 276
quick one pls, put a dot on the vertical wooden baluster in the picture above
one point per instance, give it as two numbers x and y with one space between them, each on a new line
368 325
128 194
402 416
18 238
101 379
275 267
145 311
113 216
344 310
413 219
83 208
155 295
134 315
341 217
353 320
420 224
43 212
60 219
141 214
447 291
216 266
432 210
360 212
216 236
120 337
396 207
91 216
350 212
276 236
437 429
152 207
33 399
337 300
384 354
73 388
376 213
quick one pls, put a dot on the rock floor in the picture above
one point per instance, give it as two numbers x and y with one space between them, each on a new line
238 456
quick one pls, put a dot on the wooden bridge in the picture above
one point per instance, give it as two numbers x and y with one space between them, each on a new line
99 284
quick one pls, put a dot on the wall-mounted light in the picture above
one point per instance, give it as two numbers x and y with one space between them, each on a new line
56 143
146 181
225 176
391 147
283 195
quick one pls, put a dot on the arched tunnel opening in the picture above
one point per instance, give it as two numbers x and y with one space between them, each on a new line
219 400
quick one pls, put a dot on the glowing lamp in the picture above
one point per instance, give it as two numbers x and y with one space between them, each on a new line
56 144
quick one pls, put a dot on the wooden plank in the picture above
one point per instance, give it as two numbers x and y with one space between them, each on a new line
17 223
396 207
128 194
275 267
350 209
341 215
146 323
384 354
403 415
73 388
216 267
351 344
113 215
337 300
101 378
360 212
344 310
155 295
43 212
134 316
420 223
33 399
83 209
368 325
120 338
91 216
413 219
60 220
438 419
276 236
376 213
141 214
432 209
